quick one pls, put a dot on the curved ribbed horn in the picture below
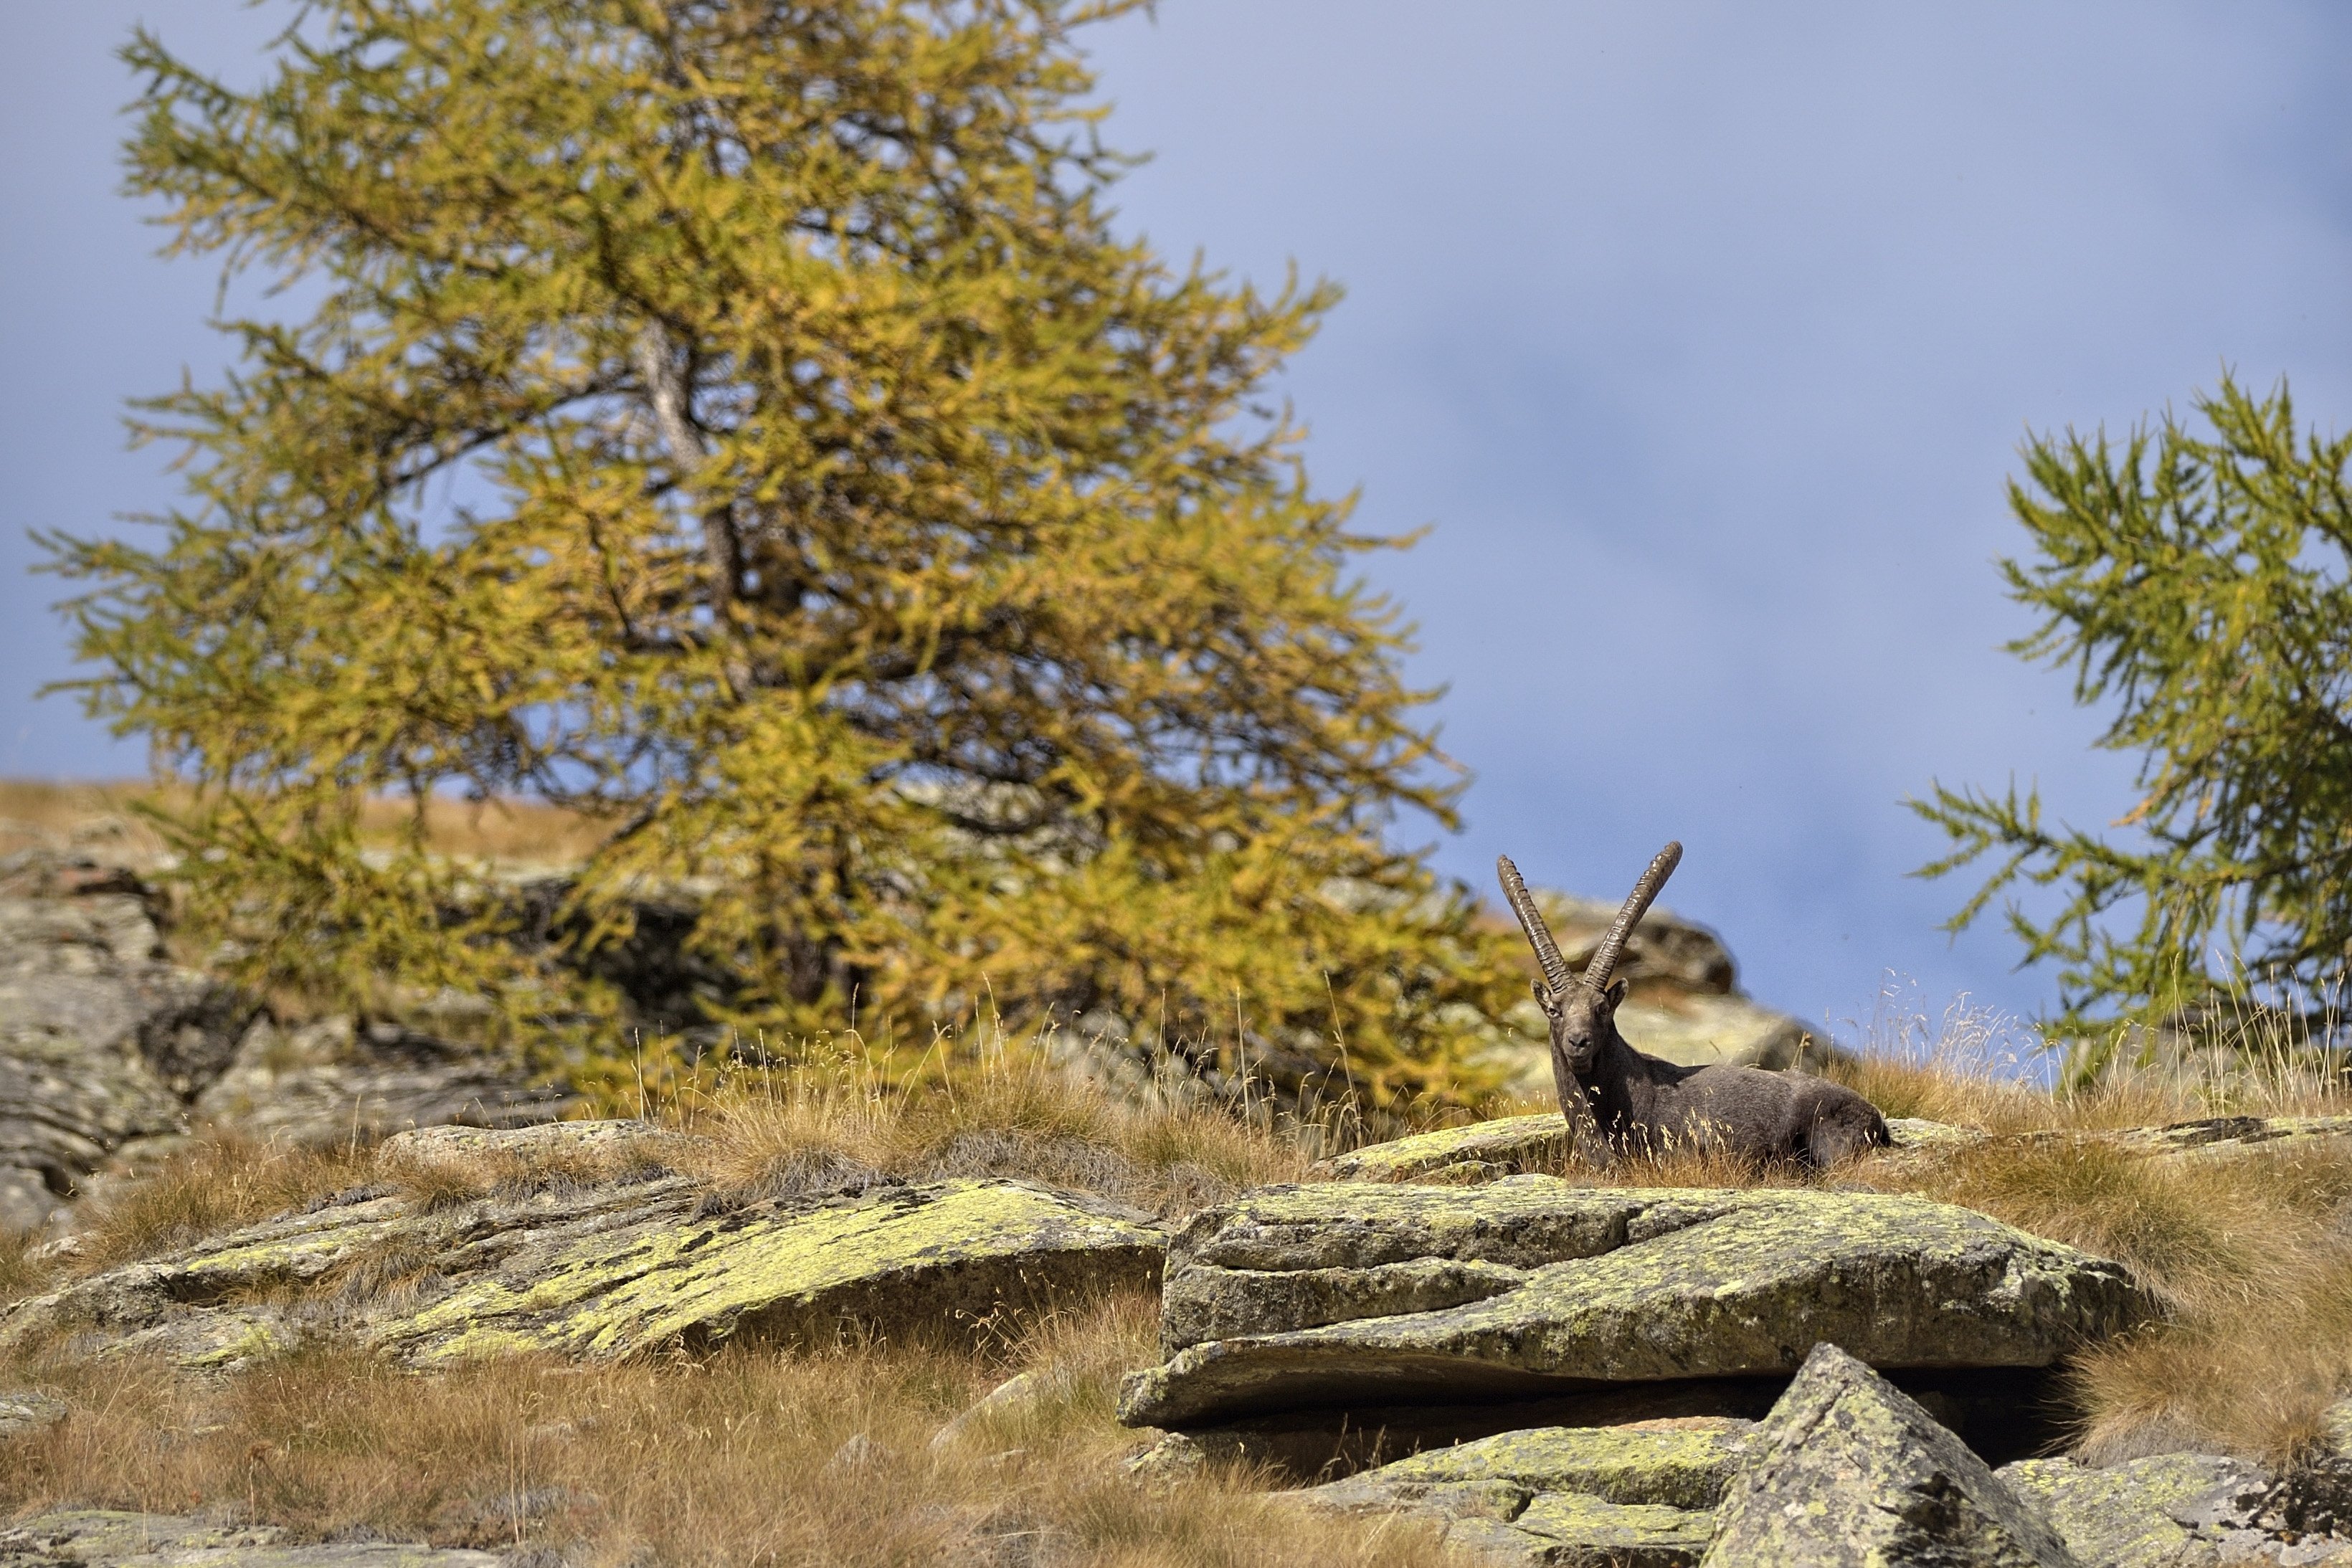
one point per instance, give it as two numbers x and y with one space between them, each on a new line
1637 904
1531 921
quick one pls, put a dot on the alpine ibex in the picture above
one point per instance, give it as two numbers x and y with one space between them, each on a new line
1636 1103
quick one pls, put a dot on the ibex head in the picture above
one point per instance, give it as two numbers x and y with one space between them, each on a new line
1582 1008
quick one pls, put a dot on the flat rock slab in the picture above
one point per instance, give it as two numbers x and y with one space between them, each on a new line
1643 1494
605 1269
1357 1294
1849 1472
103 1539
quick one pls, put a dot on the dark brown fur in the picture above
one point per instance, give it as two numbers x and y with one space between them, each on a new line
1637 1103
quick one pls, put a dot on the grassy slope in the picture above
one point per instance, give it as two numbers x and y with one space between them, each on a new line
732 1458
748 1454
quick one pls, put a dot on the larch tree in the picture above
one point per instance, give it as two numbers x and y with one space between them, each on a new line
741 421
2199 583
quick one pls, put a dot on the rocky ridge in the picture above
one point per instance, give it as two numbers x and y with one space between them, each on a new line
1439 1327
109 1053
1552 1374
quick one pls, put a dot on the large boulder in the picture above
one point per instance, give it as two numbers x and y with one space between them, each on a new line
1848 1472
640 1258
1344 1294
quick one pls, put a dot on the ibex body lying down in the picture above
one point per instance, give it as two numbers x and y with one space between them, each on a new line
1635 1102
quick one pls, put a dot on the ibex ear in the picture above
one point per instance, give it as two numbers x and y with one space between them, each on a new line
1544 999
1616 995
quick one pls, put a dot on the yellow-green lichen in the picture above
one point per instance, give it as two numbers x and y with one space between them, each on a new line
1651 1285
1506 1144
1678 1467
1574 1528
955 1247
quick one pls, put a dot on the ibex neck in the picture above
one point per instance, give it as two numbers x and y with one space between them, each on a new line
1615 1083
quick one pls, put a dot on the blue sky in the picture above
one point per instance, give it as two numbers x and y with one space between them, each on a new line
1703 335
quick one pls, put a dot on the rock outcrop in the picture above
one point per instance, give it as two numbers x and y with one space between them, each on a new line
1847 1472
1353 1293
105 1539
109 1053
642 1258
1843 1470
102 1043
1686 1006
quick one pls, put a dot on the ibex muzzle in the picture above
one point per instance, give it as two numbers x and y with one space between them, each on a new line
1633 1102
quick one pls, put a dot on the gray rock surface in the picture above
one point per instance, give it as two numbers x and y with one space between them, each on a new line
2314 1495
109 1053
1355 1293
1849 1472
331 1080
102 1041
96 1537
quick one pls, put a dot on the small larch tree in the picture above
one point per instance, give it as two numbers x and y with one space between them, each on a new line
741 422
2200 585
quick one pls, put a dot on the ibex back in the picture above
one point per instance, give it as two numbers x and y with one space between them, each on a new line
1621 1102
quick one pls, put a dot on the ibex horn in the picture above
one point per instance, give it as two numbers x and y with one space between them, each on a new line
1637 904
1531 921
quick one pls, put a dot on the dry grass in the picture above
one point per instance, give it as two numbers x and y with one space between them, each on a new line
746 1458
1004 1113
218 1183
45 814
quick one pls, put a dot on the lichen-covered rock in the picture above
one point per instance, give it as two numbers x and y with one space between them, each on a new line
1347 1294
1518 1146
1848 1470
457 1144
1507 1146
1678 1463
1576 1529
894 1261
103 1539
1642 1493
2167 1510
601 1270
